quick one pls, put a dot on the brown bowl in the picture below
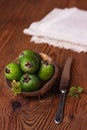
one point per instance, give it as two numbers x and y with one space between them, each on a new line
45 86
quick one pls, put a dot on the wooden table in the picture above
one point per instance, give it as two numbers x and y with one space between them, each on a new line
18 113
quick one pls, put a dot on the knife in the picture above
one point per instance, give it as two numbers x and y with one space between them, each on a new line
64 86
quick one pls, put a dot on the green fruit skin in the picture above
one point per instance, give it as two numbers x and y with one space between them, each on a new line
32 85
46 72
15 71
30 59
28 52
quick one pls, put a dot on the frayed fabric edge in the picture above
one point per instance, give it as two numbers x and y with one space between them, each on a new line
59 43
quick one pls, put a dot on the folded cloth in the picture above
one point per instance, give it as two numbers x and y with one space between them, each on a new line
64 28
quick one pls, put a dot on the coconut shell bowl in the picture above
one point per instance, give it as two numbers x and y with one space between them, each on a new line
45 86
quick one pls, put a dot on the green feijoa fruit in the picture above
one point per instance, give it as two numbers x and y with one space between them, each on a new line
13 71
28 52
29 64
46 70
29 83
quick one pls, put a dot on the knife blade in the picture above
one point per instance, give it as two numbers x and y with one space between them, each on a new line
64 86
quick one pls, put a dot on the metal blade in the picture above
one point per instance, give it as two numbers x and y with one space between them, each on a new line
65 78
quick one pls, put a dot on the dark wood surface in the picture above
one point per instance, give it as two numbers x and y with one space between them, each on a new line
19 113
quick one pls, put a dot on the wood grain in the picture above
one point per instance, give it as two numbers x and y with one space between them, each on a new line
19 113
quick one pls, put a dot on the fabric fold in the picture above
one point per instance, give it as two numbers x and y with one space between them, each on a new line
64 28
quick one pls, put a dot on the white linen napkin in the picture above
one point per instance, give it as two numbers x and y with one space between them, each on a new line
64 28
